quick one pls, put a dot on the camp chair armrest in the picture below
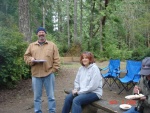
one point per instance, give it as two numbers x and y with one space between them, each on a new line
135 76
117 70
103 69
122 71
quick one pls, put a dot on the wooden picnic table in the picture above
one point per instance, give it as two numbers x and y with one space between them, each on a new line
106 106
101 104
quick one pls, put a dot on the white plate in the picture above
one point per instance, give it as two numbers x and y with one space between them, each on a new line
134 96
125 106
39 60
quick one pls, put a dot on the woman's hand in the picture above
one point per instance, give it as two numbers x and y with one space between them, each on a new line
75 92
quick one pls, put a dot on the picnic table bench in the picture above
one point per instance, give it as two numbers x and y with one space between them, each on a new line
100 104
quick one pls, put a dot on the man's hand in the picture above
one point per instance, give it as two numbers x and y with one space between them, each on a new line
136 90
143 98
32 59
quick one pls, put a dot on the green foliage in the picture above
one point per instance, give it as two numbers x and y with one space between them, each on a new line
12 66
9 13
112 51
147 53
124 34
139 53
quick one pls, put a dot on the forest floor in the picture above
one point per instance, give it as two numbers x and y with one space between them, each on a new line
20 99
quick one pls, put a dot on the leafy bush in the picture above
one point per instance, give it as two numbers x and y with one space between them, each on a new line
12 65
139 53
147 53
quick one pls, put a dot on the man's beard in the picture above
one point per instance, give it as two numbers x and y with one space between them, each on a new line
41 37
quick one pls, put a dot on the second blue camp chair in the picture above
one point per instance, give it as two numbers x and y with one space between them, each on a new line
111 75
132 75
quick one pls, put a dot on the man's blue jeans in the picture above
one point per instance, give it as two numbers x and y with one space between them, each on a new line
49 84
76 102
131 110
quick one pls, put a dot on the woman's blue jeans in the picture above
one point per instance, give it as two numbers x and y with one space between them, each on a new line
49 83
76 102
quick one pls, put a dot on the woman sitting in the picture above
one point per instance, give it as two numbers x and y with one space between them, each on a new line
87 85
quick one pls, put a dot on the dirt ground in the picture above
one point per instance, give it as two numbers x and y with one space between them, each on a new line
20 99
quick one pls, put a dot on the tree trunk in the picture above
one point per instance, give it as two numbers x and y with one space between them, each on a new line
24 19
101 36
60 16
81 2
43 15
68 24
75 21
148 40
92 19
103 21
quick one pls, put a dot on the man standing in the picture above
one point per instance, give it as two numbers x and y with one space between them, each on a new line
143 87
43 57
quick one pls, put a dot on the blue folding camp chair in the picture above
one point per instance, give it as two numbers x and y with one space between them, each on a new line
136 78
111 75
132 75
